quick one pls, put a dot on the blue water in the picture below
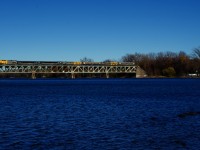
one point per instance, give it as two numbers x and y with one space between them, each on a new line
99 114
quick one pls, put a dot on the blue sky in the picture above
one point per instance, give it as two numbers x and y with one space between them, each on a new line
68 30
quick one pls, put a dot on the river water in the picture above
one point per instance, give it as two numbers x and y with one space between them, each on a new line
100 114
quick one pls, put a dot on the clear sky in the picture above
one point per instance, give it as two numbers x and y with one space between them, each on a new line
68 30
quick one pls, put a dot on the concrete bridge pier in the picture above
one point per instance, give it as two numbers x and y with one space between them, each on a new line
73 75
33 76
107 75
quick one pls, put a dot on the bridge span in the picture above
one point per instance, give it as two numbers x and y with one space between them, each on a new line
71 70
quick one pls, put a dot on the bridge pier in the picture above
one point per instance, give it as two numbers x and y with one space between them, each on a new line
107 75
73 75
33 75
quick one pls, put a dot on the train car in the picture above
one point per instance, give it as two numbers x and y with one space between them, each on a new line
27 62
112 63
3 62
128 63
92 63
37 62
7 62
76 63
50 62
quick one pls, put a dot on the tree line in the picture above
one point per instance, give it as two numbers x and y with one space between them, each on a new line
170 64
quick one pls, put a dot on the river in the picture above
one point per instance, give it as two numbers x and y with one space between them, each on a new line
100 114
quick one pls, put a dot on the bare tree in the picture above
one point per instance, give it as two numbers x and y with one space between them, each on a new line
109 60
196 52
136 57
166 63
85 59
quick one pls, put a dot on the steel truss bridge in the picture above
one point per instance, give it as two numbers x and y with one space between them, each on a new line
73 70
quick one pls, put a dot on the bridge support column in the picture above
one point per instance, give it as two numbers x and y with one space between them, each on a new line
107 75
73 76
33 75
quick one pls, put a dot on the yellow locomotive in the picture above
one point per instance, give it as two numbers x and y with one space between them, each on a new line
5 62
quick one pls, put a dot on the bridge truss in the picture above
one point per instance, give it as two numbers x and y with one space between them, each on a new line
67 69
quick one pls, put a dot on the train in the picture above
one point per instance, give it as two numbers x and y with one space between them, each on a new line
14 62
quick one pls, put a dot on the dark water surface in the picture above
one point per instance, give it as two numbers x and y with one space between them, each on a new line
100 114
